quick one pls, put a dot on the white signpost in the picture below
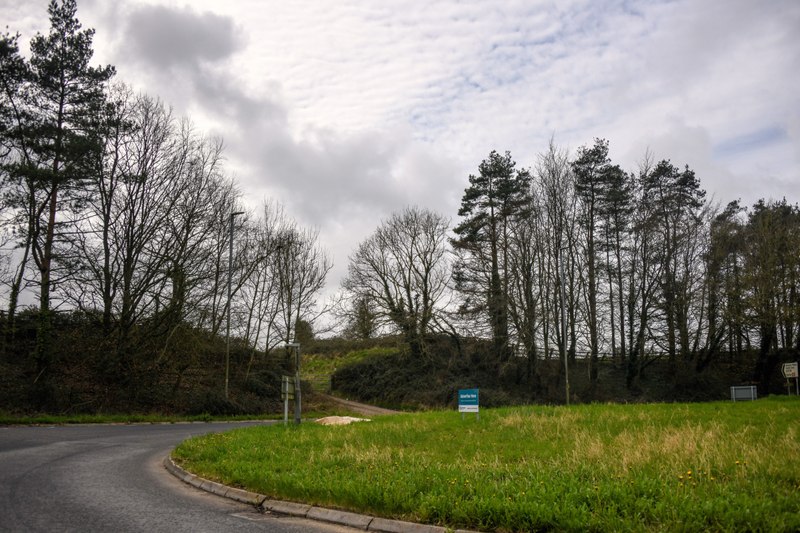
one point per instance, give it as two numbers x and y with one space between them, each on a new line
287 393
297 392
789 371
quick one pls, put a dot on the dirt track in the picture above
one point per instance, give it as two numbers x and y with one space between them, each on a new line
361 408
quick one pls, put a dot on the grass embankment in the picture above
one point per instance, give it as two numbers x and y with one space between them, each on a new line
687 467
318 368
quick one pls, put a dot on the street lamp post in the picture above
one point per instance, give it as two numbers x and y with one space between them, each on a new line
564 321
297 396
228 321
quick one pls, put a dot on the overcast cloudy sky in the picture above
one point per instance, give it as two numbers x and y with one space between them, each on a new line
347 110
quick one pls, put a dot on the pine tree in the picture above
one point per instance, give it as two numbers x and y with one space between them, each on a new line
495 198
57 132
591 169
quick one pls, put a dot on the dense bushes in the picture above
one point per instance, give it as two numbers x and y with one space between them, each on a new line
400 381
181 371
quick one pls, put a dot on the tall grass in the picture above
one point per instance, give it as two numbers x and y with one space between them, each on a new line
688 467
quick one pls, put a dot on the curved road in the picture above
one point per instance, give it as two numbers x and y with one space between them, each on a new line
111 478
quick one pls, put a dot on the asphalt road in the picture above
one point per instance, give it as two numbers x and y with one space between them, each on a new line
111 478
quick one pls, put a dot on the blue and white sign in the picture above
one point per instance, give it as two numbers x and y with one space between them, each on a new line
468 401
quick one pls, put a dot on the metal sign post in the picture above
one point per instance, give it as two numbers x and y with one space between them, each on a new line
789 371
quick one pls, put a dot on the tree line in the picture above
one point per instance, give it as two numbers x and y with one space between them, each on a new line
113 206
577 257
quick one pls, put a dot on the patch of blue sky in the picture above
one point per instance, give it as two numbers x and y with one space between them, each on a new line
512 62
430 110
638 8
748 142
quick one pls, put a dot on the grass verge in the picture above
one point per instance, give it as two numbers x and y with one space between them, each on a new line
686 467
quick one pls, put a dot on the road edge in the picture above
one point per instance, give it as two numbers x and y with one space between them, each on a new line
322 514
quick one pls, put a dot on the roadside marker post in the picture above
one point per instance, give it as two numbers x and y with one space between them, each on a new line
287 393
297 399
468 402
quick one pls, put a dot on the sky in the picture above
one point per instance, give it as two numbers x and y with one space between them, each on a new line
348 110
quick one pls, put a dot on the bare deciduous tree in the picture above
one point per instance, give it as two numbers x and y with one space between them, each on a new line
301 267
402 270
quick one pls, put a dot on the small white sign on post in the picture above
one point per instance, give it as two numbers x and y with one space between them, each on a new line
744 392
789 371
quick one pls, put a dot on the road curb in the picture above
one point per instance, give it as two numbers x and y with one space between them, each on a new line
286 508
355 520
213 487
333 516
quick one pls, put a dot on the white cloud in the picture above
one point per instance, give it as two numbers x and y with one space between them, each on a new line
348 110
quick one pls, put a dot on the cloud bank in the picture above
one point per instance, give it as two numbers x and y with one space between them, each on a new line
346 111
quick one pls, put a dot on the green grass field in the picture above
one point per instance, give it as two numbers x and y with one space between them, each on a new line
658 467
